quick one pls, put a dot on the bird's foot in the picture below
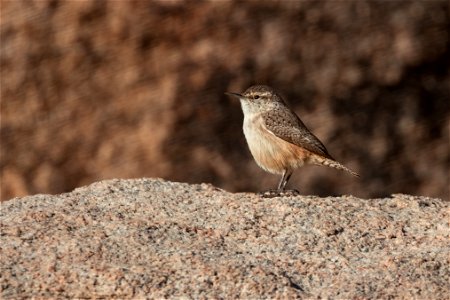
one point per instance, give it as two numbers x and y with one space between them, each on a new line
290 193
279 193
270 194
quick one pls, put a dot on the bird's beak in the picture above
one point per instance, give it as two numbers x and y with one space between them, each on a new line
234 95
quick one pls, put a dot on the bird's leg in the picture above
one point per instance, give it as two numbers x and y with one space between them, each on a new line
282 185
284 180
280 191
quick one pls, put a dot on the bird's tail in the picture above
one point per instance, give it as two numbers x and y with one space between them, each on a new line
334 164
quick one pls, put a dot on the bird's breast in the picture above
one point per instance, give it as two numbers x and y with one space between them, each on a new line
270 152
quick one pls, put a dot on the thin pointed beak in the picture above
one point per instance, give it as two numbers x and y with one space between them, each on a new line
234 95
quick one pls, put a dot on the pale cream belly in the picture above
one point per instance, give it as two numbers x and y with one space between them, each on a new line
272 153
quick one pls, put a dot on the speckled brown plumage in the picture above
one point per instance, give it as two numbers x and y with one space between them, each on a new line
286 125
277 138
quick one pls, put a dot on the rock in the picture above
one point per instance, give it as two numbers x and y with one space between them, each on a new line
159 239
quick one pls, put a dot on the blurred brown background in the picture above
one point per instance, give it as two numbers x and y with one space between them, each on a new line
93 90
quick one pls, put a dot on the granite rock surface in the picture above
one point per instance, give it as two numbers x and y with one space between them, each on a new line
158 239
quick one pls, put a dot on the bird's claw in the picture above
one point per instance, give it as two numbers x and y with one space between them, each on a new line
279 193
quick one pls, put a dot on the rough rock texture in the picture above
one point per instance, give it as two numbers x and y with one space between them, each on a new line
93 90
144 237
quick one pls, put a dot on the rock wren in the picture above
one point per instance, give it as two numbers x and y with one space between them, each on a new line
278 139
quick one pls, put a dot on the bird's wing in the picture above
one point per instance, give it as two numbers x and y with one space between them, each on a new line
287 126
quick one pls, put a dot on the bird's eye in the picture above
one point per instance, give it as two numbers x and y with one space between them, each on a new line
256 97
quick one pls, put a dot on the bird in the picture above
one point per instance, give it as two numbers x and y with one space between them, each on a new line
278 140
